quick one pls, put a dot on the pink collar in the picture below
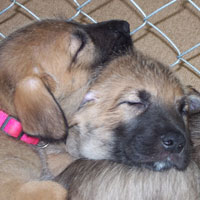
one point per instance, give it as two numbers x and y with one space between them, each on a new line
13 127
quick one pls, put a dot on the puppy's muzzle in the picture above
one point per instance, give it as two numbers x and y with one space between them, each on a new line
157 140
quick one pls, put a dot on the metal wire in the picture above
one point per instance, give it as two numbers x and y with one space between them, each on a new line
146 22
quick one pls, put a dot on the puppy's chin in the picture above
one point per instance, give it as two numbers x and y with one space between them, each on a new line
157 162
172 161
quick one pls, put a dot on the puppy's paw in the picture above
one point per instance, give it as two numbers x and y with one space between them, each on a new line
41 190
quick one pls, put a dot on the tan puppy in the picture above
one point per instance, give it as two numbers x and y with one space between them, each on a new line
135 113
44 67
96 180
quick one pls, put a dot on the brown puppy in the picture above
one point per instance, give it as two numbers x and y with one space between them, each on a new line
135 113
44 67
97 180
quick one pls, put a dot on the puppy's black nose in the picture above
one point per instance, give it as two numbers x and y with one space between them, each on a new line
173 142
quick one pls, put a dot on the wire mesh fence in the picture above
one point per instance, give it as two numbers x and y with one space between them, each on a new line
181 55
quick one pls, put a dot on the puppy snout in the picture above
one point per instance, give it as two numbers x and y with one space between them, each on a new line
123 28
126 27
173 142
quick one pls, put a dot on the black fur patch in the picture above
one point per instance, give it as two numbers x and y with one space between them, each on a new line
111 38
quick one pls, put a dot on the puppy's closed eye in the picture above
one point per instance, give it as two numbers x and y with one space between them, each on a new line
137 104
138 100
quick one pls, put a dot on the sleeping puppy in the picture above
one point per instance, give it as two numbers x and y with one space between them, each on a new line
44 67
103 179
135 113
137 116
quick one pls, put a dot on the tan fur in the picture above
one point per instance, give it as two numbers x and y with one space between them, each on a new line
120 81
30 68
50 56
30 97
41 190
33 62
57 158
93 136
45 71
97 180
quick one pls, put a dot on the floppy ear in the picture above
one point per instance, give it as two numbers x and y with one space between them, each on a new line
193 100
194 121
194 104
38 110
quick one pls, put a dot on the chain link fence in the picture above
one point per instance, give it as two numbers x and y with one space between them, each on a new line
79 7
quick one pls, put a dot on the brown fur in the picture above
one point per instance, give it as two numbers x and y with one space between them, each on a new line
108 117
44 67
94 135
97 180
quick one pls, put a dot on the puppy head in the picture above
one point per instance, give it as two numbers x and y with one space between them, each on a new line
135 113
49 66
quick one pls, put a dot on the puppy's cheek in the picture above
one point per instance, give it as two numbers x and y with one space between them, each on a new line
95 149
91 145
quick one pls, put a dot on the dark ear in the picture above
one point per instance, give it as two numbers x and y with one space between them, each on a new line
194 121
193 100
38 110
194 104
